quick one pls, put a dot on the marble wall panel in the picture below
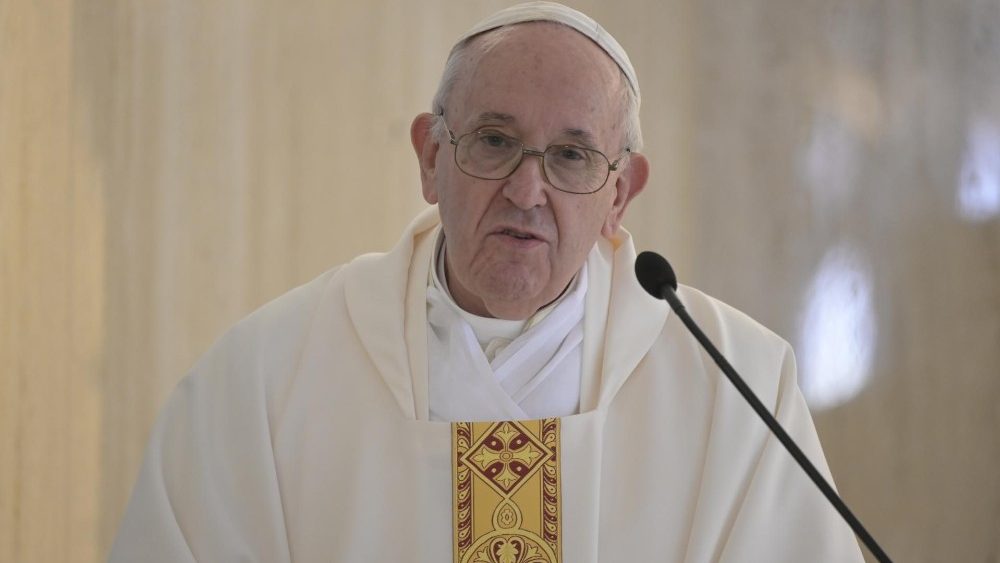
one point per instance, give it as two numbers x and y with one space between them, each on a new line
848 153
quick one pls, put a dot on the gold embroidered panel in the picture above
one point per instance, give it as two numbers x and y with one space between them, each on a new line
506 495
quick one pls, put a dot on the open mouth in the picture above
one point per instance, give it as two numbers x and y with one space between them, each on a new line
517 234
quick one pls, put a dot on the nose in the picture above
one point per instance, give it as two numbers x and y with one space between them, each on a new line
526 187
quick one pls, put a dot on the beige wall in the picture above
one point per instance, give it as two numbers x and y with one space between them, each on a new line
829 167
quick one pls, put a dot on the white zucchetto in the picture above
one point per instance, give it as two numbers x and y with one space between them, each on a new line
554 12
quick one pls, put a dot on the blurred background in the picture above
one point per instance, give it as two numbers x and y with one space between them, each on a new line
831 167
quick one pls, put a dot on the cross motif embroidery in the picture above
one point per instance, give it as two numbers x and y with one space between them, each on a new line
507 492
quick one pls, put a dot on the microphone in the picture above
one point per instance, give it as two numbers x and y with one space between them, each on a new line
657 277
654 272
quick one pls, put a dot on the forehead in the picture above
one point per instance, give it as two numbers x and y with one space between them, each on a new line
544 76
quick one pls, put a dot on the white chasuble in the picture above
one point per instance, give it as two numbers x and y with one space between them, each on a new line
304 434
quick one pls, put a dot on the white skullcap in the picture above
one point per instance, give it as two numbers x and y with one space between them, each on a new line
553 12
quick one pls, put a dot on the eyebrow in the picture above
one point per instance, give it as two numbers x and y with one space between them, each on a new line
580 136
585 138
495 116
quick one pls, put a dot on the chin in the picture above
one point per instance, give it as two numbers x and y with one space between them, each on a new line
510 295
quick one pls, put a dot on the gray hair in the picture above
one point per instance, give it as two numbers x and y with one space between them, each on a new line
462 57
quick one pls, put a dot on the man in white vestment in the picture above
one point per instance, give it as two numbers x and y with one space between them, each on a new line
497 387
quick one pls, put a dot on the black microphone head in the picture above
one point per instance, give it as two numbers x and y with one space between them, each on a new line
654 272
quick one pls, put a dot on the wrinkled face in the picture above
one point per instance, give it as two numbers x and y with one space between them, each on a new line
513 245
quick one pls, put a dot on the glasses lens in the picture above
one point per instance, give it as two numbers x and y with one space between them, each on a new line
576 169
488 154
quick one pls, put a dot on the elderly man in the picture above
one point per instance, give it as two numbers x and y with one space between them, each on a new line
497 387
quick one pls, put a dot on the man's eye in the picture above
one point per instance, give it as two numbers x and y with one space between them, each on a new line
568 155
571 154
494 141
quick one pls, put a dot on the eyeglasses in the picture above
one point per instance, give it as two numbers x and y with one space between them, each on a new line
488 154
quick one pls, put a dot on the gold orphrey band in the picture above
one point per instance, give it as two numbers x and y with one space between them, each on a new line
506 495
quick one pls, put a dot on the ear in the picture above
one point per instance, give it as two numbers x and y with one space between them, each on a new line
630 183
426 148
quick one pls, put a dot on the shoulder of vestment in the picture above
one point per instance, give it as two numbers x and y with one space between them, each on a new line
265 344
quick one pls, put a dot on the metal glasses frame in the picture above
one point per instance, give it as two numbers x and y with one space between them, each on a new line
612 166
